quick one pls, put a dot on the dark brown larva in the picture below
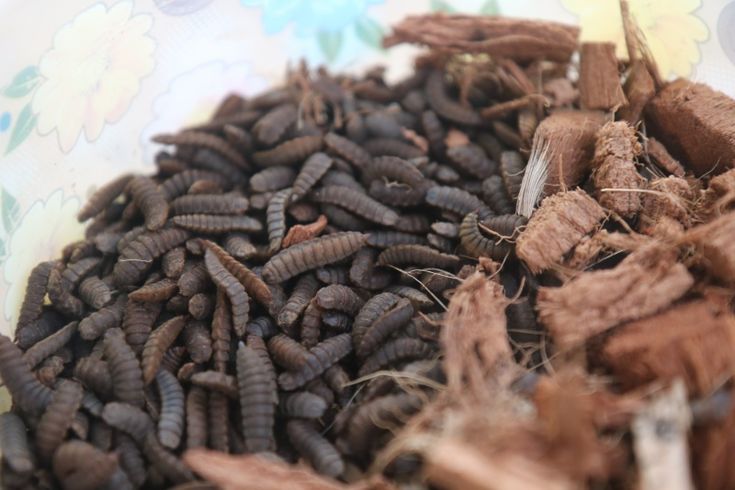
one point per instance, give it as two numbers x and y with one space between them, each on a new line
28 393
80 466
128 419
348 150
263 327
150 200
471 159
342 219
238 138
14 441
178 184
155 292
94 374
103 197
311 324
201 306
439 100
193 280
196 417
239 246
495 195
418 298
419 255
303 212
256 394
210 204
171 421
413 223
166 462
401 349
58 417
434 132
130 459
371 311
198 342
75 272
259 346
512 168
388 238
276 219
173 358
129 236
305 289
384 326
475 244
239 300
61 297
440 243
302 404
318 360
205 187
217 412
336 320
457 201
339 297
137 258
313 169
332 275
32 305
96 323
39 329
209 160
221 327
360 204
272 179
49 370
336 378
271 127
311 254
289 152
378 147
125 371
137 323
173 261
315 448
217 381
49 345
157 343
204 140
215 224
340 177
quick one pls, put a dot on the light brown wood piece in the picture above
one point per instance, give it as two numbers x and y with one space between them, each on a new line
639 88
661 156
599 80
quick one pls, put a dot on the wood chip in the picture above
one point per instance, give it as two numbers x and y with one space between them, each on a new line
719 196
662 158
299 233
556 227
639 88
670 197
694 121
599 80
647 281
693 341
615 177
716 242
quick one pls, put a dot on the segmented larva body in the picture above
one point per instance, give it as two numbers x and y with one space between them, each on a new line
512 168
289 152
14 441
417 297
457 201
171 420
130 459
166 462
273 125
46 324
384 326
401 349
210 204
173 261
276 219
44 348
311 254
138 257
371 311
332 275
80 466
495 195
263 327
27 392
343 178
179 184
363 273
205 187
158 342
58 417
444 106
348 150
217 381
314 168
103 197
434 133
239 300
388 238
125 371
471 160
155 292
396 194
418 255
94 374
304 290
339 297
396 169
381 147
98 322
209 160
319 359
253 284
150 200
221 327
342 219
256 401
32 305
194 280
196 417
137 323
204 140
360 204
272 179
311 324
128 419
316 449
217 413
198 342
213 224
336 320
239 246
302 404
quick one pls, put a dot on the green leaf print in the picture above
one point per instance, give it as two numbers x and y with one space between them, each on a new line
330 42
9 209
441 6
23 127
490 7
369 32
23 83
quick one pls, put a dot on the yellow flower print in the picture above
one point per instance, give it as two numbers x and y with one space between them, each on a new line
670 26
41 234
93 71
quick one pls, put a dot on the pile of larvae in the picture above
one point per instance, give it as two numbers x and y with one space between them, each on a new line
252 295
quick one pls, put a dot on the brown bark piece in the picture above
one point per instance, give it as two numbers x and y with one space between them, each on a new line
671 197
599 80
692 341
516 39
713 448
661 156
639 89
560 92
555 227
716 242
615 177
647 280
299 233
571 138
719 196
694 121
